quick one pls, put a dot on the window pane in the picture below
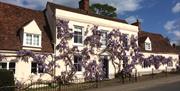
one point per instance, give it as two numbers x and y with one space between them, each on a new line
125 44
12 66
3 65
78 34
77 63
40 68
103 37
36 40
34 68
147 46
79 39
29 39
75 39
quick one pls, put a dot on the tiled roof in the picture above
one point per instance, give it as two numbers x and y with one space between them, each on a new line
13 19
178 48
80 11
159 43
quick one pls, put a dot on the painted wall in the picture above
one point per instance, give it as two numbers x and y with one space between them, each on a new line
148 70
87 22
23 68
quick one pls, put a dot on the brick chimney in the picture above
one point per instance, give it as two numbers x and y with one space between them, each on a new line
137 23
174 45
84 5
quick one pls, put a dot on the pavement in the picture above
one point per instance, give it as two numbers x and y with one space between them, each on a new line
162 84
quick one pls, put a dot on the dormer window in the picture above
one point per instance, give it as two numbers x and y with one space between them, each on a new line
32 36
148 46
32 40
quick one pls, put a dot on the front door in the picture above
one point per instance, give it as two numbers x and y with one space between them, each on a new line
105 66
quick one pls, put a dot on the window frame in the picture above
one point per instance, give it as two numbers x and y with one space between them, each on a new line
37 69
127 35
106 32
8 66
32 40
78 64
148 46
82 34
12 68
1 67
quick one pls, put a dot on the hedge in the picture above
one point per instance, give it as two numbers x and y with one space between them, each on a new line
7 80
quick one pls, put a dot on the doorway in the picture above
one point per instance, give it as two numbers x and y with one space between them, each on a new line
105 66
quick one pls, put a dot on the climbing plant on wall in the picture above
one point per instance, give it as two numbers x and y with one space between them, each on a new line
123 52
156 61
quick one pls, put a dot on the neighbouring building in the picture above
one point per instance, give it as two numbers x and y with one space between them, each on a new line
22 29
156 44
26 29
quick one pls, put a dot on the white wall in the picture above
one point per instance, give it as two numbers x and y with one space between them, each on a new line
23 68
88 22
148 70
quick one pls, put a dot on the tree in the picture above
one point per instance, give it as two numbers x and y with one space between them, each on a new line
104 9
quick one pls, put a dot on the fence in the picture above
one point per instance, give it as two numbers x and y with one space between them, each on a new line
78 85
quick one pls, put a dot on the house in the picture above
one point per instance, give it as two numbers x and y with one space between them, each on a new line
156 44
22 29
177 47
38 31
82 20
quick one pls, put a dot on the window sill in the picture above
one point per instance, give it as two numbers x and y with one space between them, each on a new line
38 73
147 50
31 48
79 72
77 44
103 46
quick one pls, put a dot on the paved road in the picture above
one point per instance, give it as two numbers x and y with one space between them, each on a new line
166 87
163 84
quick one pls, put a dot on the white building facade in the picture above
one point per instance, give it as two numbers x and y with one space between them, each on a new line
34 37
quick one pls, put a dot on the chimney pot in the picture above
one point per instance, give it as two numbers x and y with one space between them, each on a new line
84 5
174 45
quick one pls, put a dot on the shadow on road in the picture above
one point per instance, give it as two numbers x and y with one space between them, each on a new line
166 87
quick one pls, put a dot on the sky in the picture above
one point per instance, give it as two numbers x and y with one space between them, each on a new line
157 16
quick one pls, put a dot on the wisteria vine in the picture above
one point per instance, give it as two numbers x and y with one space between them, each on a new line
119 46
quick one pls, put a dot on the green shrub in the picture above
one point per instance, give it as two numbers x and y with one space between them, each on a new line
7 80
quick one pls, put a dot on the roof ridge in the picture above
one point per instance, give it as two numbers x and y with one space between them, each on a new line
77 10
151 33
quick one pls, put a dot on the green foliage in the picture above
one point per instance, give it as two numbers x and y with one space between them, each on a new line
7 81
104 9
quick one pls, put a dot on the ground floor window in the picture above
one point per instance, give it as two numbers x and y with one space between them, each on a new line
8 65
37 68
77 63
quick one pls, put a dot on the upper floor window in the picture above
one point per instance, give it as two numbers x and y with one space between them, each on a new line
37 68
8 66
77 63
148 46
78 34
125 39
32 40
103 37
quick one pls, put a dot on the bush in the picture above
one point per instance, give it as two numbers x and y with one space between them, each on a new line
7 80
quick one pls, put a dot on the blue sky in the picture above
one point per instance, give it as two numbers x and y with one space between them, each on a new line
157 16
